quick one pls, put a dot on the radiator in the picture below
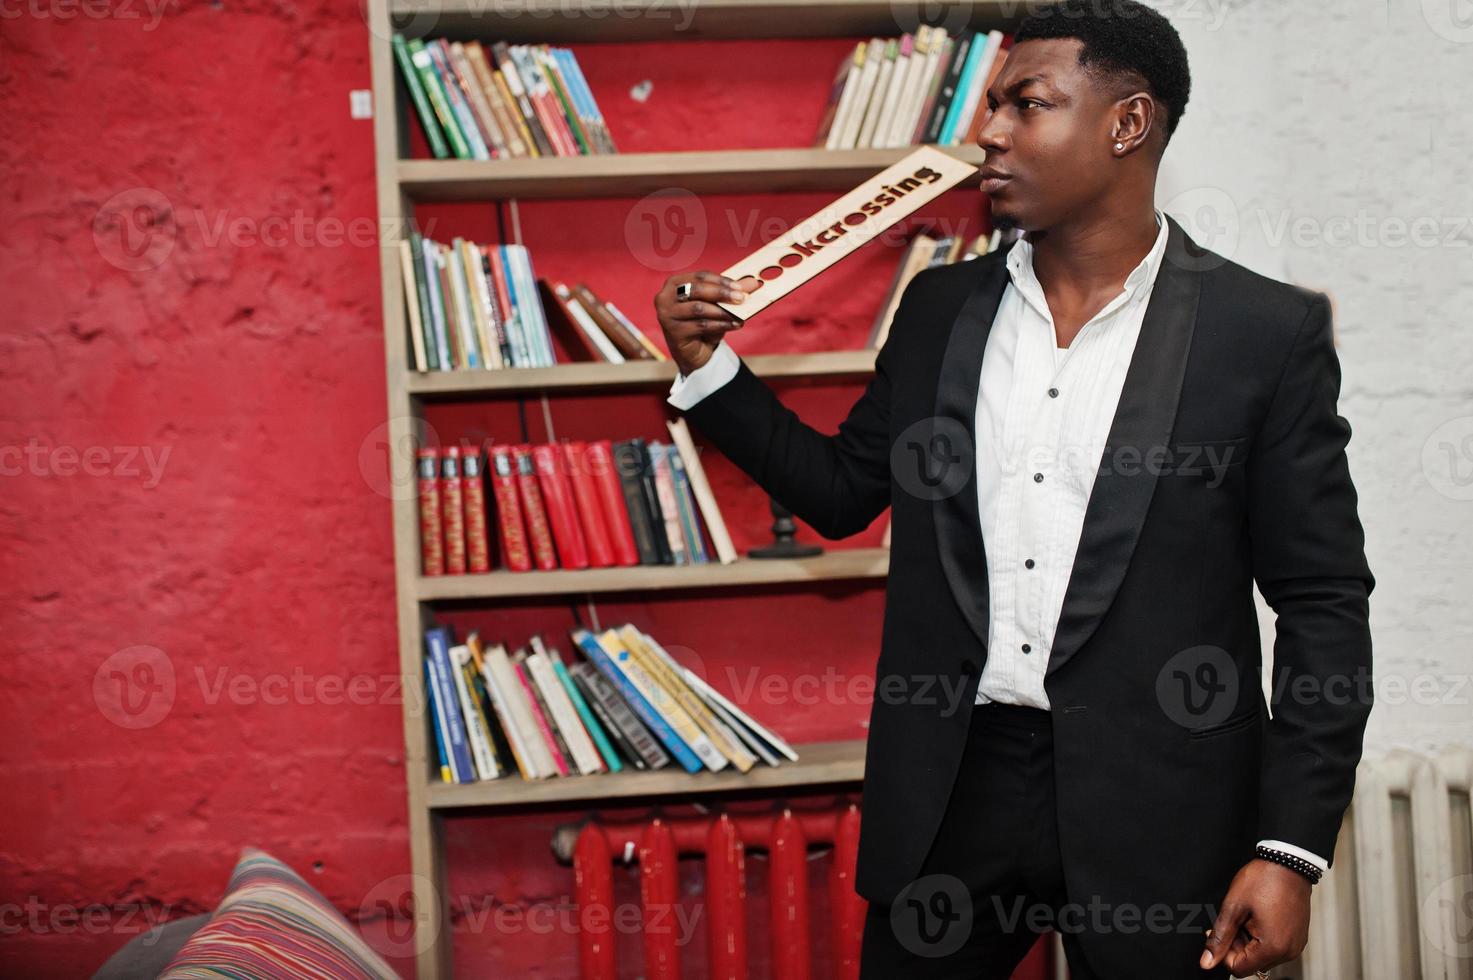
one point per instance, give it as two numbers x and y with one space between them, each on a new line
1397 903
723 840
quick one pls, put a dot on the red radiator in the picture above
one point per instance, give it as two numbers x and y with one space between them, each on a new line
724 840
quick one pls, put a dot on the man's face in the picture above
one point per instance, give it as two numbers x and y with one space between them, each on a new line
1047 136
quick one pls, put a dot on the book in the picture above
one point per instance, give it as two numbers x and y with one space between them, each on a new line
452 510
637 743
478 735
511 531
437 722
562 514
589 508
580 748
591 723
437 645
431 541
664 484
701 488
545 727
473 496
598 458
630 661
533 758
662 667
592 647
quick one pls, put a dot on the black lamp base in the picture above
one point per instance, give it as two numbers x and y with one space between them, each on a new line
783 531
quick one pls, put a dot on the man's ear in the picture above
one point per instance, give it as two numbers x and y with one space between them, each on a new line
1135 119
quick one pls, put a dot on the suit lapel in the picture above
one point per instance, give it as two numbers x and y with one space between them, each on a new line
953 434
1143 420
1117 506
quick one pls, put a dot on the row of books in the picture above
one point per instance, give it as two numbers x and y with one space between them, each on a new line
922 87
517 100
923 251
627 704
570 504
472 306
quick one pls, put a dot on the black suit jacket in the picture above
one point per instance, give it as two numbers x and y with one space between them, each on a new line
1225 465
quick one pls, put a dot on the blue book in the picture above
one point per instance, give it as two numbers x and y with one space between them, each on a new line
595 730
436 721
686 503
437 640
599 657
980 44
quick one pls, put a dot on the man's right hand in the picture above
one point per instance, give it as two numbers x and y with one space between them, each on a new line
695 327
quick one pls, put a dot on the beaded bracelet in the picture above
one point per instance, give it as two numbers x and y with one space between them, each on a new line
1310 871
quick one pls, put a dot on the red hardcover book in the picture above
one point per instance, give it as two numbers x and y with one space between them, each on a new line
431 549
511 532
537 528
598 458
562 513
590 511
473 483
452 510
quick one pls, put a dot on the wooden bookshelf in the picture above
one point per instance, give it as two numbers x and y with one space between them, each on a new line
841 563
631 374
825 764
636 174
401 184
563 21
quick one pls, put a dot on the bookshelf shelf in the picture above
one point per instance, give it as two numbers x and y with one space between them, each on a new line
819 764
843 563
562 21
632 374
635 174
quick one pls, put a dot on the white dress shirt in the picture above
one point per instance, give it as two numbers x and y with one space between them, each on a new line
1043 418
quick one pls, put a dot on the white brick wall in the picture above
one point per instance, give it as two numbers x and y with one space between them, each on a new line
1330 142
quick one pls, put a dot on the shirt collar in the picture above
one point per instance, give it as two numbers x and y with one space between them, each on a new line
1020 264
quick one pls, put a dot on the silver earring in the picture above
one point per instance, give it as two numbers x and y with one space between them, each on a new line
1119 146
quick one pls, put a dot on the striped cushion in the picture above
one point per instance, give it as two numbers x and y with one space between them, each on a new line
272 924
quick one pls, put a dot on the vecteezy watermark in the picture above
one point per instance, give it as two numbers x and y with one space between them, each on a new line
1451 20
138 687
1099 916
394 916
67 10
1447 458
932 916
134 688
1198 687
387 453
1446 917
124 462
137 229
753 686
38 917
1365 229
666 231
933 458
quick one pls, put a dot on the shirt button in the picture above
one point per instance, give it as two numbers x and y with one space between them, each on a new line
1038 478
1028 563
1027 648
1053 393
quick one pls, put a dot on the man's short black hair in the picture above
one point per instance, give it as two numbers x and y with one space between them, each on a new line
1121 38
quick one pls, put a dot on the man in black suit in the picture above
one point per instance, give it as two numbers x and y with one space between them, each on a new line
1093 444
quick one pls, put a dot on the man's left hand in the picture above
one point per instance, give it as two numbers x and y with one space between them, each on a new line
1264 920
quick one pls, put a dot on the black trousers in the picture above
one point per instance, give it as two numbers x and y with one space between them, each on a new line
993 881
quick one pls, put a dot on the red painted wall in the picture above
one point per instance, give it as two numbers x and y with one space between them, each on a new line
195 550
